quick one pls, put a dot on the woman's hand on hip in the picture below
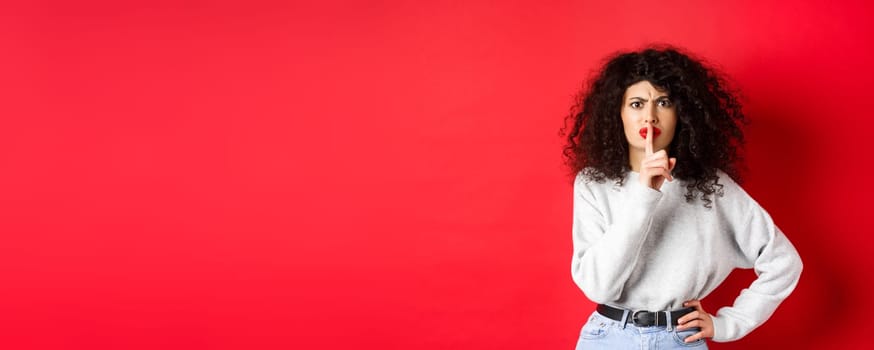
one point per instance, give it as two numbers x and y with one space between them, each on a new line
698 318
655 167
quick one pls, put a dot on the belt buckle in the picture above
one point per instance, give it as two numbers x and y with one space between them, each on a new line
635 320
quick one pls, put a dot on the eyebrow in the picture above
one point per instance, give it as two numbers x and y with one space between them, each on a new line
645 100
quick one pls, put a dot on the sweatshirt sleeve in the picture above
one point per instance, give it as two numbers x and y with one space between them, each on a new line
778 266
605 254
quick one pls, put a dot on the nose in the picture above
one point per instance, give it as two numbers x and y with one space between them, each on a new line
652 117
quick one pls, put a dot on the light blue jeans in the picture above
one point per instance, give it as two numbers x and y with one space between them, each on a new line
600 332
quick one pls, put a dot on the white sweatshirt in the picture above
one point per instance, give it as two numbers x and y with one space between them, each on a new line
642 249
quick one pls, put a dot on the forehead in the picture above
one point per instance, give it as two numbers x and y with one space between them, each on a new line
644 89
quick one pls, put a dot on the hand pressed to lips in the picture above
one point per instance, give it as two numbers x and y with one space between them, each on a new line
655 167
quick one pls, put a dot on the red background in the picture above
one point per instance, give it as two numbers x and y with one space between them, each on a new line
383 174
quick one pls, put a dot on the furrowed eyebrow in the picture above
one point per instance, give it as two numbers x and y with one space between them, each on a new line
645 100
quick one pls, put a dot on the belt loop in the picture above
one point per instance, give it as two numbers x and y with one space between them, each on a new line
670 321
624 318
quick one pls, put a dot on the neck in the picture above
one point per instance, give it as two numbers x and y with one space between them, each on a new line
634 158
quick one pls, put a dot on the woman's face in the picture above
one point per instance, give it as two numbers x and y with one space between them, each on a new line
642 104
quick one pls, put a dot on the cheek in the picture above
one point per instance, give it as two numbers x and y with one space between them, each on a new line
670 123
628 120
624 117
672 134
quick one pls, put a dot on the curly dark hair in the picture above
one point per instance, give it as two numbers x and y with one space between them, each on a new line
709 135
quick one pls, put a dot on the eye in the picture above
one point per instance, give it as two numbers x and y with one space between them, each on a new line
665 103
635 104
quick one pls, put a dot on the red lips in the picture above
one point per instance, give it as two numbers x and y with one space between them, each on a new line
655 132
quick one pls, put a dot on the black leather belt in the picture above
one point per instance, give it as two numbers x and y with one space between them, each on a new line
644 318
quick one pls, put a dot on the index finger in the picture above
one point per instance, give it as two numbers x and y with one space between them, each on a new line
696 304
649 139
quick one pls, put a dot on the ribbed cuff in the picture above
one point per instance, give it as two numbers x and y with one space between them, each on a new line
719 330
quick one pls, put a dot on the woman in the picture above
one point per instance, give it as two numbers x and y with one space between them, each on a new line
659 219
